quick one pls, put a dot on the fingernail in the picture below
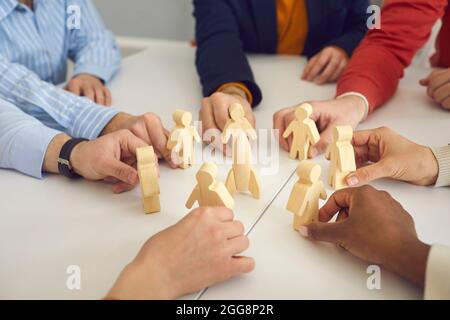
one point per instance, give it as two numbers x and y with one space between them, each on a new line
303 231
352 181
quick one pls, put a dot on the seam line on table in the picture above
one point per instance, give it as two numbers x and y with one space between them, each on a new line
261 215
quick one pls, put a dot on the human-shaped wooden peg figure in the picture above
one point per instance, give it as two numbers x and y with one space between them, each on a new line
341 155
304 199
147 163
181 139
242 177
304 132
236 124
208 192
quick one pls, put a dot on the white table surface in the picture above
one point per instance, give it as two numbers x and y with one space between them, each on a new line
51 224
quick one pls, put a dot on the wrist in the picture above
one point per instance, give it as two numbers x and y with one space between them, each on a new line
54 149
410 261
116 123
357 103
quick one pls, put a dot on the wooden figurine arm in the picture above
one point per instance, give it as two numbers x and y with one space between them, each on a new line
289 130
313 133
192 198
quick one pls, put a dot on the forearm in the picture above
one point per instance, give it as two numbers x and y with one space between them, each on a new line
54 149
76 116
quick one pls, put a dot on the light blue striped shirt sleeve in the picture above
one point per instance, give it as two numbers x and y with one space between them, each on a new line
55 107
23 141
92 47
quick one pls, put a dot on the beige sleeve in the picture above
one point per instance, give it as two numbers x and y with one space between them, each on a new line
442 155
437 278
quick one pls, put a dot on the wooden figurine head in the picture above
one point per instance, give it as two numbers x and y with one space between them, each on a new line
236 111
182 118
207 174
342 133
309 172
304 111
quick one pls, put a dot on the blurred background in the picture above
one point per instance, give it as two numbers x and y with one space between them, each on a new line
135 22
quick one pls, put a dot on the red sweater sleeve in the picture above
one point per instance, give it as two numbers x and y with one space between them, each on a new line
378 64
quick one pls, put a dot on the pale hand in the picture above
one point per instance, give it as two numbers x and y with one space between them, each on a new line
349 110
203 249
438 87
326 66
90 87
391 156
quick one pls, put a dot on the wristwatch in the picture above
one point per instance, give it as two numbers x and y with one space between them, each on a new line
64 166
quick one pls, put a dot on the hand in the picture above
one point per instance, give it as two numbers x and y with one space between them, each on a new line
438 83
147 127
214 111
90 87
326 66
327 115
373 226
392 156
112 156
202 249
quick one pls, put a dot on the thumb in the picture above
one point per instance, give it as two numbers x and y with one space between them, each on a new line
424 82
121 171
320 231
366 174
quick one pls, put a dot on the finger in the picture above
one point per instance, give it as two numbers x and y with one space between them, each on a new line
237 245
223 214
121 171
327 232
309 66
241 265
368 173
234 229
442 93
361 155
340 200
121 187
330 68
108 97
339 70
159 139
325 139
99 95
279 124
436 82
207 117
319 65
129 143
361 138
220 111
89 93
446 104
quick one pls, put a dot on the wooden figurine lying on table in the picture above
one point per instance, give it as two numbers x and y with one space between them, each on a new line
304 199
208 192
304 132
148 177
182 137
341 155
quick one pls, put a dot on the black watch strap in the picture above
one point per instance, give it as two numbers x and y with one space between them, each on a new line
64 165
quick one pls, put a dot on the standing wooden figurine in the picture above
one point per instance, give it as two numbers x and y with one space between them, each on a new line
148 177
242 177
304 199
236 124
304 132
342 157
182 137
208 192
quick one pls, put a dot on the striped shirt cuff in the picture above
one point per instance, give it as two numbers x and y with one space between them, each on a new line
91 121
442 155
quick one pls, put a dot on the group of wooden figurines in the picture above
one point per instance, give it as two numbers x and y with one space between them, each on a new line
208 191
305 195
304 199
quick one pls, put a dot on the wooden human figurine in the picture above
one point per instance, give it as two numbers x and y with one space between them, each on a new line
242 177
236 124
182 137
304 199
148 177
208 192
341 155
304 132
